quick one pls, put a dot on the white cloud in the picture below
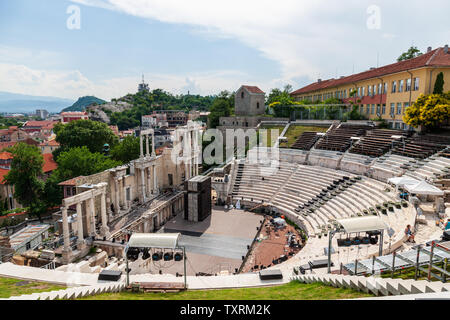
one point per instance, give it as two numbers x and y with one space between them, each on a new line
306 38
72 84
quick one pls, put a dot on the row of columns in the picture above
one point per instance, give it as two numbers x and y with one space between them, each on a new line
120 195
146 135
90 219
149 182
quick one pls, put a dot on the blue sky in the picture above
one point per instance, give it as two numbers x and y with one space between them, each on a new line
203 46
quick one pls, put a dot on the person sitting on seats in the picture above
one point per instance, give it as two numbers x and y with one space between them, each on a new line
409 234
447 225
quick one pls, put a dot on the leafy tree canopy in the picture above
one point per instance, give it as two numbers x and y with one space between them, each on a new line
222 107
127 150
429 111
412 52
79 161
25 175
92 134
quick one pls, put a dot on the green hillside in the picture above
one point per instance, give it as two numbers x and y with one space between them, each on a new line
83 102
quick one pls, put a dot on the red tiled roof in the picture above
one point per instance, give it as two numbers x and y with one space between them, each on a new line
71 182
44 123
3 173
435 57
51 143
253 89
49 163
74 113
7 144
5 156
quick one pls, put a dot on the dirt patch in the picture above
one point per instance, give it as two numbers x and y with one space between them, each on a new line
273 247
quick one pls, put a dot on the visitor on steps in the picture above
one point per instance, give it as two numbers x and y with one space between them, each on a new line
447 225
409 234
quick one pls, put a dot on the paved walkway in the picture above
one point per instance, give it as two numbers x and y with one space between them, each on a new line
86 279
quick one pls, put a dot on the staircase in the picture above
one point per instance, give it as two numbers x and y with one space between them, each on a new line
238 178
375 286
72 293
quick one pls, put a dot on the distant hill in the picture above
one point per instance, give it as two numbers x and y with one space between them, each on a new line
22 103
83 102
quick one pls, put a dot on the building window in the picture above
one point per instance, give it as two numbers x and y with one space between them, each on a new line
392 109
380 88
394 86
359 92
363 91
361 109
399 108
416 84
368 109
408 85
257 105
378 109
405 106
373 109
397 125
383 109
385 88
369 91
242 95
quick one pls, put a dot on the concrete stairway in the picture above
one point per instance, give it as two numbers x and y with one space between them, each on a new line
376 286
72 293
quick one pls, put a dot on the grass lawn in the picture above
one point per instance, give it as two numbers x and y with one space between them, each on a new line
296 131
270 143
15 287
292 291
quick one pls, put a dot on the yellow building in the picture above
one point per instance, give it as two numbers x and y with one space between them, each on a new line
386 91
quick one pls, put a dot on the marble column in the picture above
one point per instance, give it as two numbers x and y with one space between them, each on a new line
92 221
104 229
66 232
80 225
143 184
153 145
155 180
149 182
116 196
141 145
147 145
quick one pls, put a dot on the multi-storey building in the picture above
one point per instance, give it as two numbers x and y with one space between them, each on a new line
387 91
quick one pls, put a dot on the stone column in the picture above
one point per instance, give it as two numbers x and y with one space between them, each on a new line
143 184
147 145
66 232
155 180
104 229
153 144
80 226
92 221
149 182
141 145
116 196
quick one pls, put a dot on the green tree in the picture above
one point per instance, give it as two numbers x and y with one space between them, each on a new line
221 108
439 84
92 134
127 150
412 52
429 111
25 173
80 161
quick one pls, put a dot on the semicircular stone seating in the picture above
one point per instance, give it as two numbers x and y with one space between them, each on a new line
290 186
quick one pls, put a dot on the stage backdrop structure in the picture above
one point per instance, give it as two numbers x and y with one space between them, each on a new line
145 242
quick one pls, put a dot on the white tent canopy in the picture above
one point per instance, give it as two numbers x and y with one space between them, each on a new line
154 240
362 224
424 188
403 181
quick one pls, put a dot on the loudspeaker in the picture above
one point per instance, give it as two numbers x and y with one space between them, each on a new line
168 256
178 256
157 256
145 254
110 275
446 235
